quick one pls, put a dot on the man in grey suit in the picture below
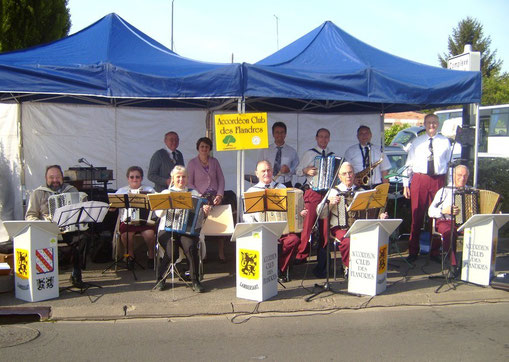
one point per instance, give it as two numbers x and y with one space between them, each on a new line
163 161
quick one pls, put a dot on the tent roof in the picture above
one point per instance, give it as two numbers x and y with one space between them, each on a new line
112 61
329 70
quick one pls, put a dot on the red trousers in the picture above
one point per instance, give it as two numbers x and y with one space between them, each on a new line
311 201
422 191
344 246
289 244
444 228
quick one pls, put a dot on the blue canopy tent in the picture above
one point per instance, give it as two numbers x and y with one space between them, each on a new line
328 70
112 62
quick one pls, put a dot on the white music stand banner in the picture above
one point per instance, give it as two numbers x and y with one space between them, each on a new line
480 240
35 259
369 254
257 257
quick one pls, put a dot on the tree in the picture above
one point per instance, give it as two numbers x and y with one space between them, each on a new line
25 23
495 90
470 31
391 132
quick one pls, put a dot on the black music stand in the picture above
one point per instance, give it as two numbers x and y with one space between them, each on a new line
165 202
267 200
326 286
126 202
77 214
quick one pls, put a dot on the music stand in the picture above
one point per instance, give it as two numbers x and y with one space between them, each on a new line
268 200
127 201
77 214
167 201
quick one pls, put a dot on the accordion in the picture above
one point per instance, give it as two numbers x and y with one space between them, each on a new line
326 169
186 221
338 214
69 198
295 204
138 216
472 201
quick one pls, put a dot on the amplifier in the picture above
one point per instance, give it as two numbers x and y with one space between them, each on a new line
87 173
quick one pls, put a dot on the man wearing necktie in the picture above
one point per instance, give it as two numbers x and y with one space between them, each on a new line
346 189
281 155
427 161
312 198
288 242
163 161
363 154
442 209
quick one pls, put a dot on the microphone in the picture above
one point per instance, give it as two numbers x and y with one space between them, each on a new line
81 160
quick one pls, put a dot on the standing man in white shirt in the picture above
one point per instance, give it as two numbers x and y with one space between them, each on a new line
312 198
363 154
163 161
281 155
427 161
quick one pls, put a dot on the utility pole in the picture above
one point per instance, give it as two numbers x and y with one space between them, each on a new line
172 1
277 31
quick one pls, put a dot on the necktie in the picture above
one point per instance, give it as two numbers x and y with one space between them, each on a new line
431 159
366 157
277 161
174 155
323 153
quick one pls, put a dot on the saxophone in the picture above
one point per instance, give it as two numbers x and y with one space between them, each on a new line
364 175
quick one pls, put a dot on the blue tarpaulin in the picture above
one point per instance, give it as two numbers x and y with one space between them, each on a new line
330 70
326 70
113 59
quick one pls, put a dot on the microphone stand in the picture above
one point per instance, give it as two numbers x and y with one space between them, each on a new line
326 286
445 276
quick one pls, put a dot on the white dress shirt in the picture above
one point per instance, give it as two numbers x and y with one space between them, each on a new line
308 160
442 200
353 155
418 153
289 158
255 216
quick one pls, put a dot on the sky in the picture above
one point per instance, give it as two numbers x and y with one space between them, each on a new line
248 31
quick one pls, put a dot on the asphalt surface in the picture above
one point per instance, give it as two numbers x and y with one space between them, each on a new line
123 297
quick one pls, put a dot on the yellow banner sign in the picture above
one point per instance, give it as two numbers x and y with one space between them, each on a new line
249 265
22 263
383 258
245 131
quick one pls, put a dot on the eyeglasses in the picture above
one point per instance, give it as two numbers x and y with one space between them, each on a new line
135 177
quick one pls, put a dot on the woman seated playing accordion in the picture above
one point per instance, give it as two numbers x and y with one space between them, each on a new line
139 219
188 242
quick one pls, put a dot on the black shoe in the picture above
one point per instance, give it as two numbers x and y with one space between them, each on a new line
412 257
282 277
130 263
76 281
197 287
454 272
161 285
150 264
436 259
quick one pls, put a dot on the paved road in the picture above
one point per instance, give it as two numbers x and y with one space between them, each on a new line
456 332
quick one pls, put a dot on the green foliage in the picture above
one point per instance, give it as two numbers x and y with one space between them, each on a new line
391 132
493 175
25 23
470 31
495 90
229 139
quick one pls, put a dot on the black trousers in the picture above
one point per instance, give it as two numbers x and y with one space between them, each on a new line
189 245
77 243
